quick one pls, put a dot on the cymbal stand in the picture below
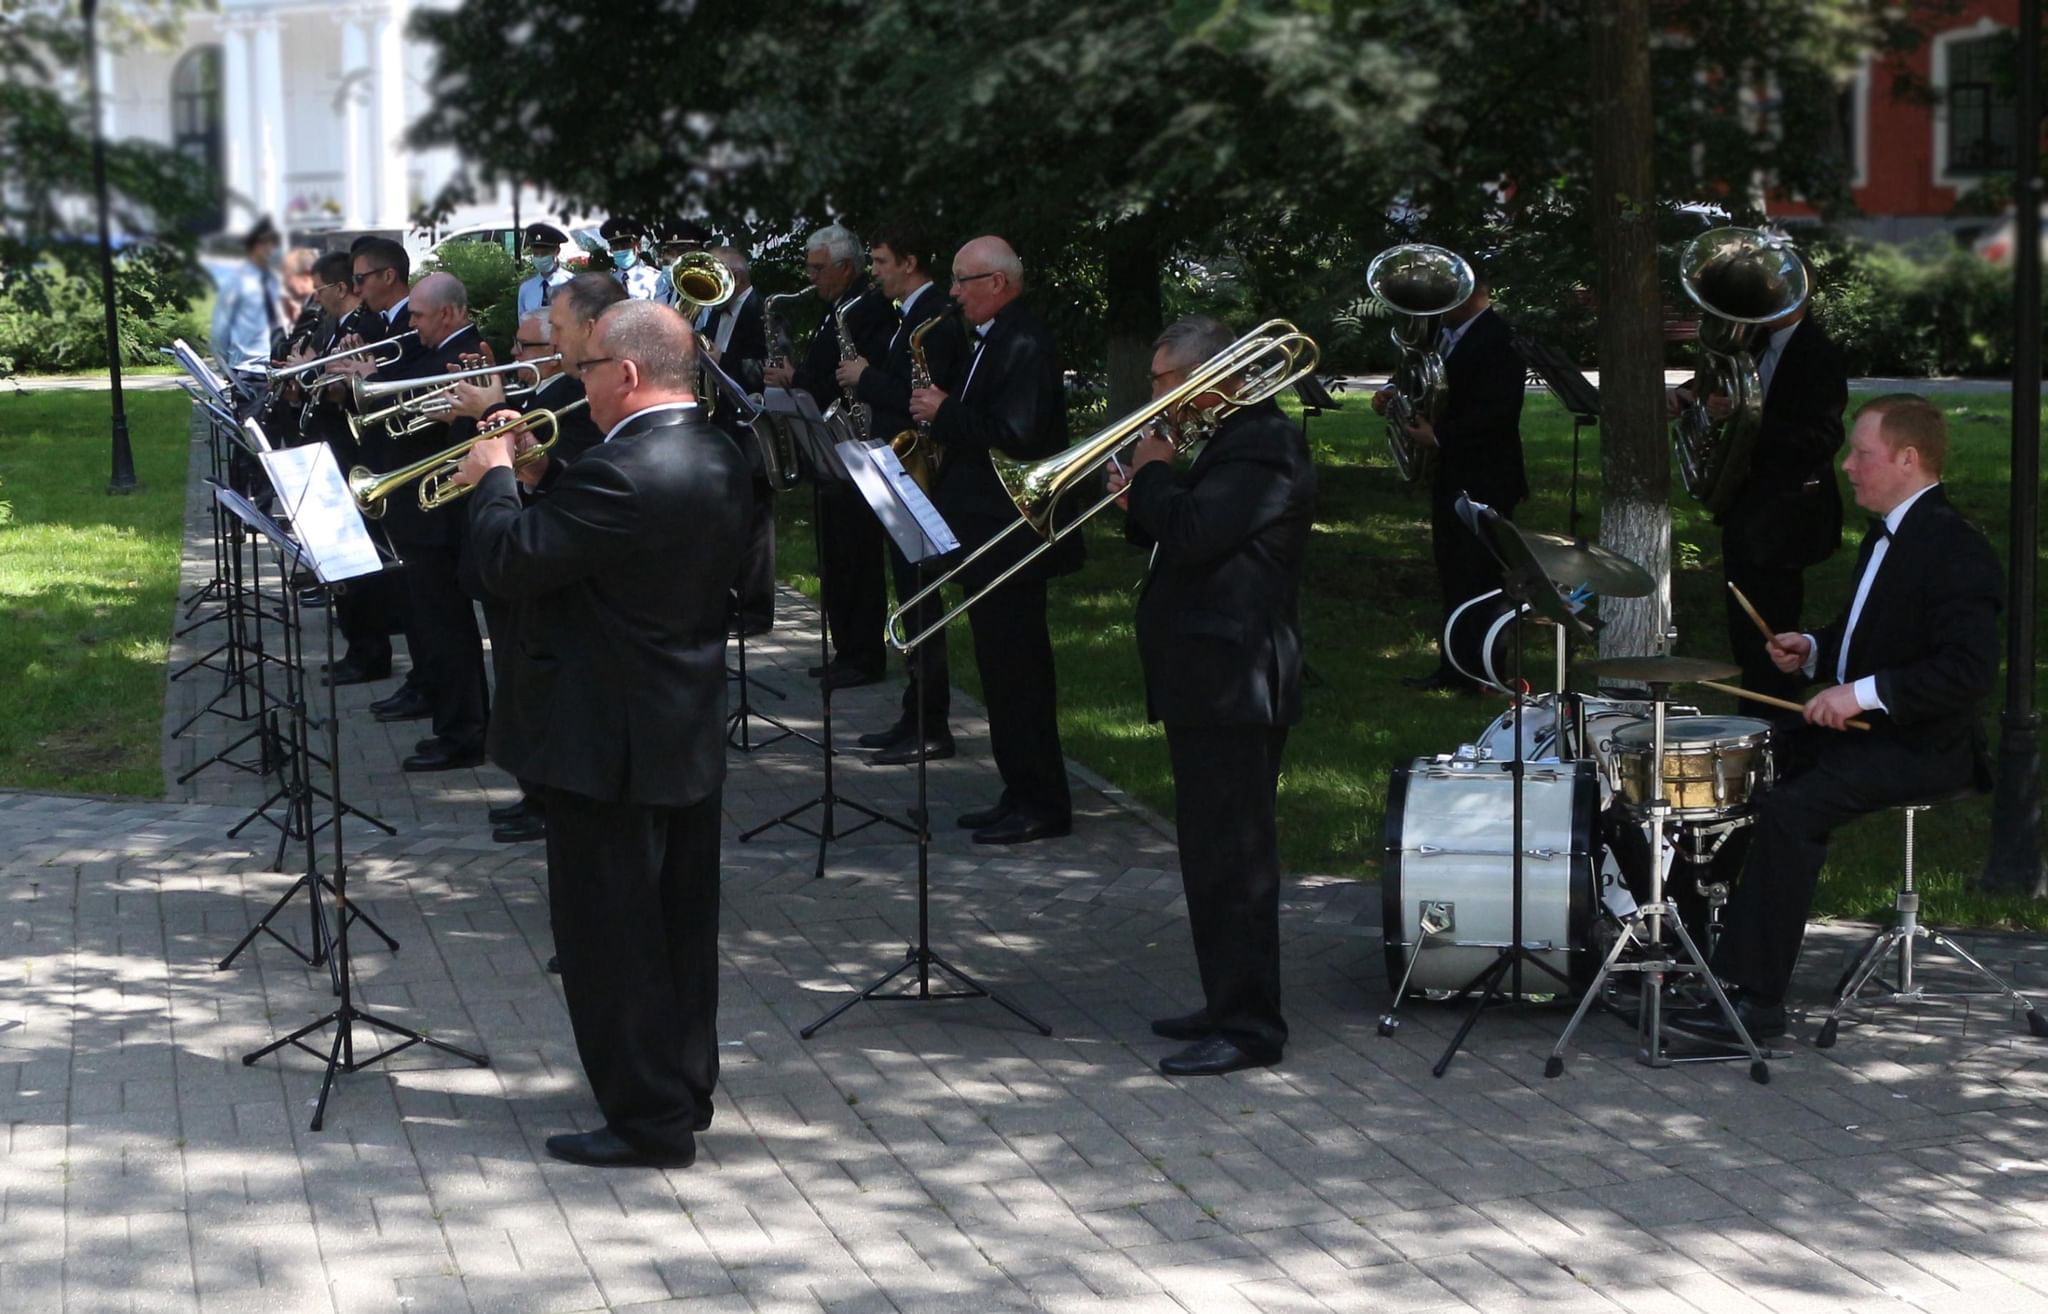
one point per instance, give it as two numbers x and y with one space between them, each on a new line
1644 928
921 955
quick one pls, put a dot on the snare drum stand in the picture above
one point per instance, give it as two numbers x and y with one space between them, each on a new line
1644 928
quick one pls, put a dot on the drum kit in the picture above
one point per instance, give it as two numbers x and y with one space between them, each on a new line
1537 861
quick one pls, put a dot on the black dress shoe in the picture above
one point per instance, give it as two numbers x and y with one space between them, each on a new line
1018 828
937 748
1430 682
987 817
1188 1026
889 738
346 672
1707 1022
406 706
554 964
524 828
512 811
605 1148
446 757
1211 1058
851 675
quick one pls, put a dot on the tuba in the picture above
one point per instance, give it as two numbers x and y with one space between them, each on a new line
915 446
1741 277
1420 284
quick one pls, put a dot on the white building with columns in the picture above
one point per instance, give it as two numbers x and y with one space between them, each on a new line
299 108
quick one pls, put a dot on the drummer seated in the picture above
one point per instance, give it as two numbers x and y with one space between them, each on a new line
1914 656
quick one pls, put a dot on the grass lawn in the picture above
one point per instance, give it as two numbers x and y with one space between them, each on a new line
1368 614
87 586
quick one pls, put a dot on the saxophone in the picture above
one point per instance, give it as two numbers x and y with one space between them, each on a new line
859 414
915 447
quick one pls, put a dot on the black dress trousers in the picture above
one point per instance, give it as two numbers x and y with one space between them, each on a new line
447 649
1464 567
1853 773
1779 592
851 544
935 690
633 895
755 588
1013 648
1224 782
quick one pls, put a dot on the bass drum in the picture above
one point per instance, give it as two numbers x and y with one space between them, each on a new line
1449 855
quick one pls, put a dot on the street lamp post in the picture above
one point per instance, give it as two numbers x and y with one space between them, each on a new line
123 479
2014 863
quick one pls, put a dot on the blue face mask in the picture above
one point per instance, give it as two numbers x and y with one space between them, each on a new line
544 264
625 259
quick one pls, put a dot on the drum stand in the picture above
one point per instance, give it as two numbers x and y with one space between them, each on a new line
1644 928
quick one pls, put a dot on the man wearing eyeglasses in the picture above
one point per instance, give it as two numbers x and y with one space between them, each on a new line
1013 401
850 538
624 568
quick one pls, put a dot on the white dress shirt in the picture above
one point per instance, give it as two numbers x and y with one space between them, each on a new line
1767 364
1451 337
1866 688
980 341
650 410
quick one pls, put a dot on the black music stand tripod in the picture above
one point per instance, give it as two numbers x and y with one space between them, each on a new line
817 441
921 956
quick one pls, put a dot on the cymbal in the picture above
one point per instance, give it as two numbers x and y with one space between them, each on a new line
1663 670
1602 569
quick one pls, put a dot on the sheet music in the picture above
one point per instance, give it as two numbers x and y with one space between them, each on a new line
255 519
938 535
330 528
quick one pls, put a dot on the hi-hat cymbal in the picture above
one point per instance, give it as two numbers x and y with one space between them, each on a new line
1663 670
1570 564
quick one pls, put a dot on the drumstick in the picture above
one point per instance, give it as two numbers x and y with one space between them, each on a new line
1754 614
1785 703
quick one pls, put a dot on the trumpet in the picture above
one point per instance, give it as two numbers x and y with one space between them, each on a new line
433 408
291 372
435 473
1253 369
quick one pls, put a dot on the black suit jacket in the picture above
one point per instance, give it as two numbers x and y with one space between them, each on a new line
1788 511
1928 630
871 318
622 570
1013 403
885 384
1219 626
1479 437
746 353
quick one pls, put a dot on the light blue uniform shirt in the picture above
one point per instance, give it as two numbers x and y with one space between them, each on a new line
244 313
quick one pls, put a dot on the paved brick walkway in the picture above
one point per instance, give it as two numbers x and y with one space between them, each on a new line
913 1156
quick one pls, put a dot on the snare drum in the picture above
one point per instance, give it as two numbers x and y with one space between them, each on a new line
1713 765
1450 859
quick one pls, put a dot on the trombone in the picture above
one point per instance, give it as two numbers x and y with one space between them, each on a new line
1256 367
435 473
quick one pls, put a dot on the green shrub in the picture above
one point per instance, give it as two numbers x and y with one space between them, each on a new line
52 319
491 276
1914 311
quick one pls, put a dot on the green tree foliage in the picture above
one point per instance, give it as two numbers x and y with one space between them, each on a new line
490 275
1245 154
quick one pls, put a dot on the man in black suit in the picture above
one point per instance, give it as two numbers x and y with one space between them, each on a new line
1479 452
850 538
1012 399
1219 636
623 568
901 260
1787 514
525 819
1915 654
441 630
735 335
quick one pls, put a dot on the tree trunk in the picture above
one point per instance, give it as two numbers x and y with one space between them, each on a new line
1635 466
1131 281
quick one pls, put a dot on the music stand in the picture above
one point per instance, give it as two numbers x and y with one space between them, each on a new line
1571 387
329 536
820 443
918 529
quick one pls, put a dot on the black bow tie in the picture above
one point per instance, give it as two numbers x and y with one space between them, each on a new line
1878 530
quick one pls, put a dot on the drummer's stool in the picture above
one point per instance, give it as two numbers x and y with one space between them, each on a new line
1901 938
